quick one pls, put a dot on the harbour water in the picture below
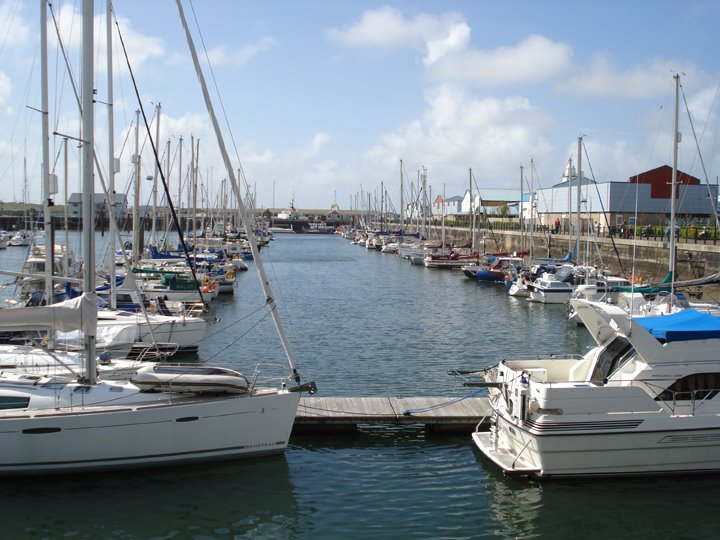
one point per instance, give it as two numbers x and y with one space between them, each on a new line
363 323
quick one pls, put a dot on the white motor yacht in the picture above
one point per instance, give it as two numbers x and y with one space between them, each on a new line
547 289
644 401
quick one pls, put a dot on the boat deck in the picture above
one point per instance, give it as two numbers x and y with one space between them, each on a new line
437 414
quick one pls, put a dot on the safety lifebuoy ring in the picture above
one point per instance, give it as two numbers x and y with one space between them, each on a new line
634 280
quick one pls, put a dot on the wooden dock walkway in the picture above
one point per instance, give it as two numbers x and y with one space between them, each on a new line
438 414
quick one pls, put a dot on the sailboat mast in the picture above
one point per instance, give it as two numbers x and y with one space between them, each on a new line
155 179
472 212
180 175
676 143
241 205
520 219
443 217
110 200
136 199
402 202
577 212
423 226
88 179
47 218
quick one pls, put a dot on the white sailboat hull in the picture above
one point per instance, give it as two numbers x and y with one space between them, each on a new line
158 433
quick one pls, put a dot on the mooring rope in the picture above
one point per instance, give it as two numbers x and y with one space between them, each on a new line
410 412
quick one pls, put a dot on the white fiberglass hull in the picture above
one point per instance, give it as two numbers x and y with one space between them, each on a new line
549 297
519 290
186 332
143 434
689 446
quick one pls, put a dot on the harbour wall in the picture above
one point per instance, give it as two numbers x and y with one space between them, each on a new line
695 258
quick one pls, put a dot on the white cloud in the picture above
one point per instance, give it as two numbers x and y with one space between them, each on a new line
386 27
603 79
140 48
458 130
221 55
250 156
534 59
457 39
319 141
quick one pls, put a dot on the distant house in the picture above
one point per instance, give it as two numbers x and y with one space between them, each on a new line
449 206
119 204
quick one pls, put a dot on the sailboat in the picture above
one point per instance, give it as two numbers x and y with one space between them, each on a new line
63 424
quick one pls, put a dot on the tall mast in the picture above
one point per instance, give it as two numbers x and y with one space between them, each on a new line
110 200
402 202
472 212
443 217
136 199
165 216
676 143
47 218
579 187
423 177
264 283
88 178
520 219
155 178
531 246
180 174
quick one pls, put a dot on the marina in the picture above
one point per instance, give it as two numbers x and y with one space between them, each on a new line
486 356
373 325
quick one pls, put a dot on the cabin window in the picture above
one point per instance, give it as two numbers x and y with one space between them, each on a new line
612 358
14 402
695 386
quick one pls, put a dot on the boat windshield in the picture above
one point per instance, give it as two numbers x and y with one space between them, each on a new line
612 358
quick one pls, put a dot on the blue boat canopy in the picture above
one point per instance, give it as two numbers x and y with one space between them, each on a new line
685 325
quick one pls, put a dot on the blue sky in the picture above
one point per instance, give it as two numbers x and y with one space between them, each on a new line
325 98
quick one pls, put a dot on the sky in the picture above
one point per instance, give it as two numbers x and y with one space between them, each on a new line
321 100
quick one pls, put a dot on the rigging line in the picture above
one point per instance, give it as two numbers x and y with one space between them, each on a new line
10 20
157 162
702 161
241 336
217 92
602 207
